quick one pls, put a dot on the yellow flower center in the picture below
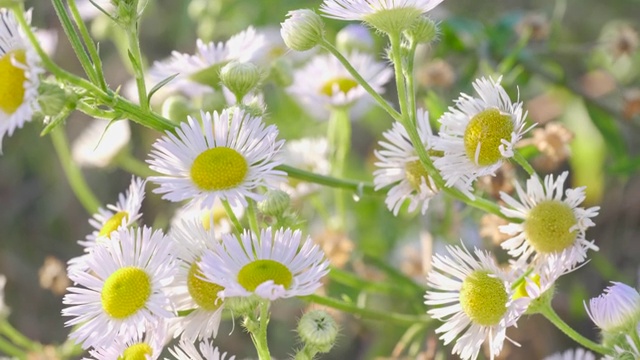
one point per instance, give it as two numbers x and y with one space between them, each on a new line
344 85
483 298
204 293
125 292
257 272
136 352
218 168
547 226
113 224
521 290
12 83
487 130
415 172
216 214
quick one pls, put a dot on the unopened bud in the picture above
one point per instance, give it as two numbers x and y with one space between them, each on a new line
241 305
423 30
302 30
275 203
318 330
240 78
176 108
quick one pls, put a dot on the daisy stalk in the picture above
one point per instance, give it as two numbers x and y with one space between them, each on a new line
339 135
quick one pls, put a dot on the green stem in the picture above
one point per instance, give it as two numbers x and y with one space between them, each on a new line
74 175
400 319
237 227
552 316
253 218
260 339
358 186
339 138
11 350
16 336
134 166
523 163
410 82
75 41
90 45
136 62
378 98
401 87
391 288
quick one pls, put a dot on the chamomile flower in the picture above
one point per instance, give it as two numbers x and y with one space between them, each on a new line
572 354
385 15
617 309
100 142
324 83
478 134
553 223
269 265
187 350
227 159
190 291
123 291
148 347
473 297
199 73
400 166
20 69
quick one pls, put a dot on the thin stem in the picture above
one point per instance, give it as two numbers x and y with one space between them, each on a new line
378 98
552 316
400 319
75 41
339 135
74 175
136 62
11 350
401 87
237 227
90 45
253 218
358 186
16 336
411 91
260 339
523 163
350 279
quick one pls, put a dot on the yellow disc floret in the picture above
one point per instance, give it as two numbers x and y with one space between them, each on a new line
415 172
487 130
344 85
483 298
219 168
12 83
257 272
113 223
136 352
521 290
548 225
204 293
125 292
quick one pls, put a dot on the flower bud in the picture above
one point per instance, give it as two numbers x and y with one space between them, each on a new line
176 108
52 99
424 30
617 309
275 203
302 30
240 78
318 330
241 305
354 37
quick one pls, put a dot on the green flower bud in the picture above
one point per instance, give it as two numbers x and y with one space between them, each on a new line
424 30
318 331
176 108
302 30
240 78
275 203
241 305
53 99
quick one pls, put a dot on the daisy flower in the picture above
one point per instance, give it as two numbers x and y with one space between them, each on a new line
617 309
148 347
123 291
227 159
191 239
20 69
187 350
478 134
271 266
473 297
215 219
386 15
553 223
100 142
324 83
572 354
199 73
310 154
399 166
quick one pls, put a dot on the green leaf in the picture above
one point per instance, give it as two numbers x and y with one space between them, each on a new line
160 85
607 126
56 121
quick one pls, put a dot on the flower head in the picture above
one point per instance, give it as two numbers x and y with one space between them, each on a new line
324 83
572 354
400 166
123 291
147 347
390 16
187 350
20 69
473 297
552 225
100 142
478 134
227 158
617 309
269 265
302 30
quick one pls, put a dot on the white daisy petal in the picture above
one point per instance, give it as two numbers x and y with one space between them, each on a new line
360 9
572 354
187 350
